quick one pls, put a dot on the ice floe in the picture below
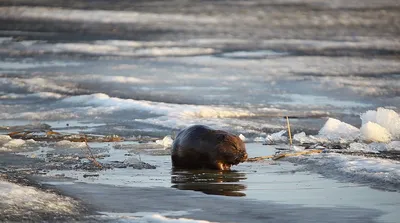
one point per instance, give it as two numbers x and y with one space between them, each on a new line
65 144
386 118
276 137
373 132
150 217
382 125
165 142
16 145
242 137
336 130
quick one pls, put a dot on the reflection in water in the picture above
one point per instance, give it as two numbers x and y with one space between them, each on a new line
209 181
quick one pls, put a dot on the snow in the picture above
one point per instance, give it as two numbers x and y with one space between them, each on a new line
372 132
337 130
16 200
165 142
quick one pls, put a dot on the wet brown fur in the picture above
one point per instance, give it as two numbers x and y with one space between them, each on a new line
200 147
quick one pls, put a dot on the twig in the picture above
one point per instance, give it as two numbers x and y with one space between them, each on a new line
282 155
289 132
91 156
258 158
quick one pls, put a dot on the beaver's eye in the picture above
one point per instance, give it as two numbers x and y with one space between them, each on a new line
221 137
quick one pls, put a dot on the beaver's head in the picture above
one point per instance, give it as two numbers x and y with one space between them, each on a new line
230 150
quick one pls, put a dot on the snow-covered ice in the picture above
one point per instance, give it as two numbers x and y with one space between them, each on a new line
16 200
382 172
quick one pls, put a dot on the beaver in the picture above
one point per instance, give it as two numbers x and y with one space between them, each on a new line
201 147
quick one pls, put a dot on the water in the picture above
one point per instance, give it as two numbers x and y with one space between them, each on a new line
151 68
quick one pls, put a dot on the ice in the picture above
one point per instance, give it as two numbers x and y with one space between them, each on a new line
65 144
210 112
5 40
25 65
302 138
171 115
151 217
165 142
119 79
386 118
368 116
373 132
253 54
16 200
376 171
259 139
106 47
42 95
156 218
369 148
336 130
276 137
16 144
44 87
4 139
394 145
297 148
102 16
